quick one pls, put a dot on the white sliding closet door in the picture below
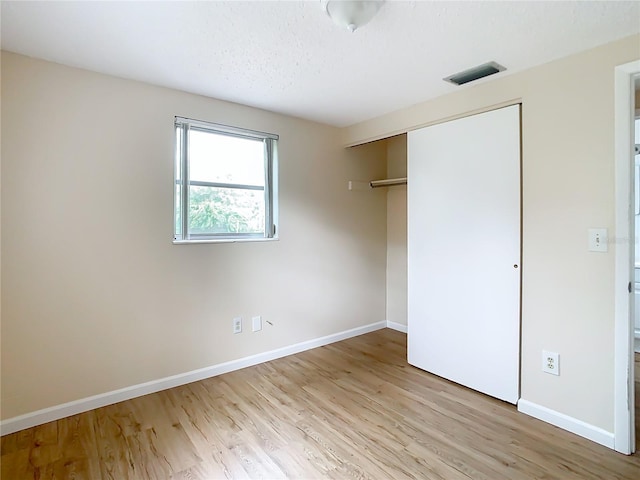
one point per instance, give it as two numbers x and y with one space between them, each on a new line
464 251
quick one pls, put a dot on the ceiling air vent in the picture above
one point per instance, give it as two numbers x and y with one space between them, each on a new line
475 73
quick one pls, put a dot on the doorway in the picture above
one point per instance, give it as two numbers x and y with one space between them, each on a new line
636 289
624 379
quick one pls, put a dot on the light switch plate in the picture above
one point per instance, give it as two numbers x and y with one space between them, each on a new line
598 240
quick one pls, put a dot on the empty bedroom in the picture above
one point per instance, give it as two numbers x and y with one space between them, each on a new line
319 239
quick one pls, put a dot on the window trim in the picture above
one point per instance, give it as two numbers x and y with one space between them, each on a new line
184 125
226 129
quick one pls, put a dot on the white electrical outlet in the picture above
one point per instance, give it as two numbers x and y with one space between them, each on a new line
551 362
257 323
237 325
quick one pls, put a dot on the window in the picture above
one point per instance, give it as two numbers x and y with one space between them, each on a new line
224 183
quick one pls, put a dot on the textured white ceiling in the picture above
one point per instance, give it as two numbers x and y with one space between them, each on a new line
288 57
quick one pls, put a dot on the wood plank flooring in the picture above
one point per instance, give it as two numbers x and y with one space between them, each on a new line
354 409
637 383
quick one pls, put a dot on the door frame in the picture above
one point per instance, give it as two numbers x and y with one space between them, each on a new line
624 424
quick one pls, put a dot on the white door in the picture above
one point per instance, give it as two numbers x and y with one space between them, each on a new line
464 251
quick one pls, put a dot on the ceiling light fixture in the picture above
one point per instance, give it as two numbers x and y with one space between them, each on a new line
351 14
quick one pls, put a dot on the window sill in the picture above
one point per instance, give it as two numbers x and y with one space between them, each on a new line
224 240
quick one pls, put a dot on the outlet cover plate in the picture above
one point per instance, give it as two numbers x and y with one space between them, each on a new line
256 323
551 362
237 325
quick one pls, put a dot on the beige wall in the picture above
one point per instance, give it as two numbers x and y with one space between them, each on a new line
568 187
397 231
95 295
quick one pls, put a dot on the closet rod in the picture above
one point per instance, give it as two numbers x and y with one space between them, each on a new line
388 182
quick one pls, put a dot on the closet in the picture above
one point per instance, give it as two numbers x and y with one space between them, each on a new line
464 251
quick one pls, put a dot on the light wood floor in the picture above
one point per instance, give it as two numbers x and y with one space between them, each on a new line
354 409
637 382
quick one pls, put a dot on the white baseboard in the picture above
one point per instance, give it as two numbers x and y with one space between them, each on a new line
397 326
57 412
568 423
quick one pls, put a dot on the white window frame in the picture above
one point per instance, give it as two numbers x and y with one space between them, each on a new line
182 126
